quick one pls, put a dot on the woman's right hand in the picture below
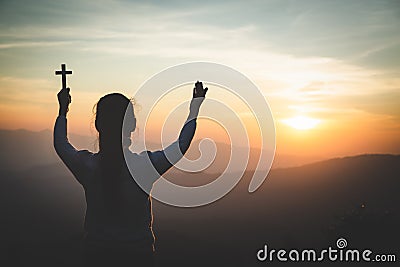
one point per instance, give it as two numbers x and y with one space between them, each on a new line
198 90
64 99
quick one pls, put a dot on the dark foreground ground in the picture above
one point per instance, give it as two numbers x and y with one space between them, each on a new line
356 198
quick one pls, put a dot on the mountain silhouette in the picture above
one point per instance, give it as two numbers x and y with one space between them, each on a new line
38 150
42 209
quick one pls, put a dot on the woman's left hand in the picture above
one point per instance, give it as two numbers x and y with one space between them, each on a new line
198 90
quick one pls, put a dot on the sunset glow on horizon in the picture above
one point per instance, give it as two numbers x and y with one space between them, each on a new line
329 70
301 122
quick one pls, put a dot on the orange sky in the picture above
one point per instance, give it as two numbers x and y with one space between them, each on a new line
318 62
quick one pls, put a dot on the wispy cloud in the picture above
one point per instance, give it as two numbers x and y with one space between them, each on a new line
319 57
31 44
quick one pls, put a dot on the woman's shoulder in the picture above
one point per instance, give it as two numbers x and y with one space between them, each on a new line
130 155
86 154
88 158
143 159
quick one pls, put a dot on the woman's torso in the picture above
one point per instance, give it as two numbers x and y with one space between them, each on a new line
125 219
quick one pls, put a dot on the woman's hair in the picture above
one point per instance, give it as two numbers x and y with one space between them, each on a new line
115 120
110 112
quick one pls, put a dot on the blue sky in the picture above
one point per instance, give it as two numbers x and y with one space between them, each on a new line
343 29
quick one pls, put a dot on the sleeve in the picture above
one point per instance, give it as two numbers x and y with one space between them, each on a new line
72 158
163 160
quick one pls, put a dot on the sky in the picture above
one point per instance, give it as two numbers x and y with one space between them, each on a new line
329 69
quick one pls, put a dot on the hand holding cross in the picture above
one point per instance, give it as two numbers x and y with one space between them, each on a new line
63 72
64 98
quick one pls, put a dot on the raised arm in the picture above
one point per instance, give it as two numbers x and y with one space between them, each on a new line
164 159
71 157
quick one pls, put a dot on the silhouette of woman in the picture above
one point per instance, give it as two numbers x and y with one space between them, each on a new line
118 221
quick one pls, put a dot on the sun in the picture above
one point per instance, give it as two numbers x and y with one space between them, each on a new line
301 122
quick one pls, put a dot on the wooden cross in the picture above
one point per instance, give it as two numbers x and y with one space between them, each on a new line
63 72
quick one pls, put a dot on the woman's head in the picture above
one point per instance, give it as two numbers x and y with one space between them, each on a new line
115 119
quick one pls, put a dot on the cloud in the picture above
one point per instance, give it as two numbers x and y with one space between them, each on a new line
16 91
320 57
31 44
343 30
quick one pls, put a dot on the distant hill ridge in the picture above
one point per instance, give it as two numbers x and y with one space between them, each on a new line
22 149
308 206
